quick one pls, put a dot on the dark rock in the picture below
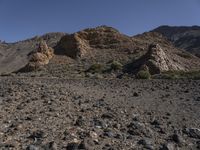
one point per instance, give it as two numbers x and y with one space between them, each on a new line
108 147
147 143
107 116
80 121
168 146
87 144
100 103
6 146
72 146
37 135
155 122
109 133
193 132
99 124
137 128
178 138
33 147
135 94
118 136
198 144
50 146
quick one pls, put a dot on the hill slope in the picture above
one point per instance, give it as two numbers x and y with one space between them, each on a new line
183 37
14 56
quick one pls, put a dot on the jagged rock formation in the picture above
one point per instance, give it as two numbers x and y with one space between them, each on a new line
103 37
73 46
187 38
38 58
157 60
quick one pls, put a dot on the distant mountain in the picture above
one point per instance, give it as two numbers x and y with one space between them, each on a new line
187 38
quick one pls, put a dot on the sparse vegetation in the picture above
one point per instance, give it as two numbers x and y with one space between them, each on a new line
115 65
143 74
95 68
195 75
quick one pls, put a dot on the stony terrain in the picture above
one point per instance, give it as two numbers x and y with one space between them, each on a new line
53 113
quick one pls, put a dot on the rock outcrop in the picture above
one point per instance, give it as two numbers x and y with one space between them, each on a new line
156 60
73 46
16 55
39 58
103 37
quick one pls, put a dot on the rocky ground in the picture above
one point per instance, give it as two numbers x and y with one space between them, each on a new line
51 113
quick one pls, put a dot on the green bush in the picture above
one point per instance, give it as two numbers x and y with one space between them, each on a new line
115 65
143 74
95 68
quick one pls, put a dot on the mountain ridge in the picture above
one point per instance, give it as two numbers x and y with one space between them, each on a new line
185 37
93 45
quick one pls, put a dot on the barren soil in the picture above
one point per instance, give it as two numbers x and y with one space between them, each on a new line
52 113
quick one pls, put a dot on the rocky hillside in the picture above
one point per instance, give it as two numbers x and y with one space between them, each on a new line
38 58
89 40
14 56
183 37
102 47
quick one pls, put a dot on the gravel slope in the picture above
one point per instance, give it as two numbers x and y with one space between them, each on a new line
52 113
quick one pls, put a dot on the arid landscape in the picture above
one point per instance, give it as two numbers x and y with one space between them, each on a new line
101 89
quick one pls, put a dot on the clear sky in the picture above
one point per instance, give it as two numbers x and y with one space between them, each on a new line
21 19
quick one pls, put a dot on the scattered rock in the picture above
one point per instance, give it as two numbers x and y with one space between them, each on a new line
87 143
155 122
72 146
50 146
107 116
168 146
37 135
109 133
198 144
135 94
33 147
80 121
178 139
147 143
193 132
137 128
99 124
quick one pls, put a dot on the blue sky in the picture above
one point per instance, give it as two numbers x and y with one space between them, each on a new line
21 19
